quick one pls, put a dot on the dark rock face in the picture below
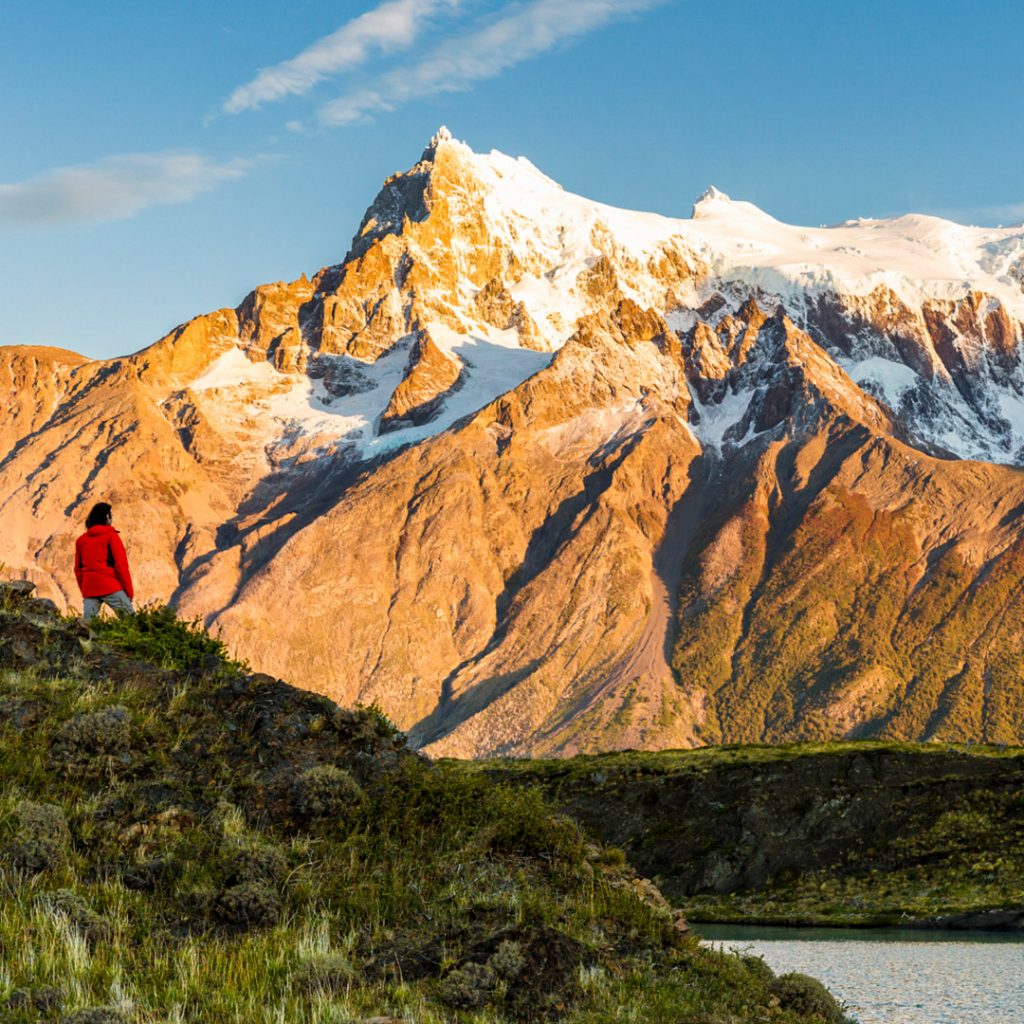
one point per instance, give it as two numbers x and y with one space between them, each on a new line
731 828
22 644
1009 920
403 196
27 635
16 588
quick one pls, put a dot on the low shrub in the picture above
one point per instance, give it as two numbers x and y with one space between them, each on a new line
808 997
327 791
246 860
93 734
96 1015
156 634
468 987
93 927
41 839
248 905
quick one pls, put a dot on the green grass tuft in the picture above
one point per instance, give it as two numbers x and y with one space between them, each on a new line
156 634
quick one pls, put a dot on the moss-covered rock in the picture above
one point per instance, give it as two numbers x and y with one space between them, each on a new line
468 987
253 860
18 713
94 927
249 905
149 875
89 739
96 1015
508 960
44 1001
41 837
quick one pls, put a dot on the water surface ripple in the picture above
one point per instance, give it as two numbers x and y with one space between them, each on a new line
897 977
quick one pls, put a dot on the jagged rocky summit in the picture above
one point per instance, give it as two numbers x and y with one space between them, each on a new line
539 476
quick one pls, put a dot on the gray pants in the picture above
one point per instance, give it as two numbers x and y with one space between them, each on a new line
118 600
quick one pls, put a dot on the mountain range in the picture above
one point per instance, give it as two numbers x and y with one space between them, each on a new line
539 476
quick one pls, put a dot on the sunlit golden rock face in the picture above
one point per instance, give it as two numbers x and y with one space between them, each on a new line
430 377
33 380
540 477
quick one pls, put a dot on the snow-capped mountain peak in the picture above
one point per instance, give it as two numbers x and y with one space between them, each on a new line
480 267
703 202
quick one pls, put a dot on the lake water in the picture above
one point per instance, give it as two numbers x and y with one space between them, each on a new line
894 976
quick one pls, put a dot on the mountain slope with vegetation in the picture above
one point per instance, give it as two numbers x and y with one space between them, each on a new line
184 840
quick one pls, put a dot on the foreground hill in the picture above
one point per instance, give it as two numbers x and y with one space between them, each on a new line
851 833
183 840
540 476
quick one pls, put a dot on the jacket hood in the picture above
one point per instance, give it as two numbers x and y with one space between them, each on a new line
100 529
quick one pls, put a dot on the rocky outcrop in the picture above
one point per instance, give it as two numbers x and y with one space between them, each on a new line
430 378
862 833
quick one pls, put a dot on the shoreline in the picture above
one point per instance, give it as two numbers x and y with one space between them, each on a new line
1007 921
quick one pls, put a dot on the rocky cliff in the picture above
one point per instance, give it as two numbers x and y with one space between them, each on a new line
854 833
542 476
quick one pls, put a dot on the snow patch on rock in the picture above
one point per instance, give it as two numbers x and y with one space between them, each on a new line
717 419
892 379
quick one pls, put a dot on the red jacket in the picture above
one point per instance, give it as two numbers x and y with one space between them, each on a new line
101 566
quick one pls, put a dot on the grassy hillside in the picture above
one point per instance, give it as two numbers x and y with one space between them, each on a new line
827 833
183 840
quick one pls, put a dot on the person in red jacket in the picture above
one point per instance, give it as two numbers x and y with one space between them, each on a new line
101 565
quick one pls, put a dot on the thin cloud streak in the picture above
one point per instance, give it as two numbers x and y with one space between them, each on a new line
114 188
520 33
1009 215
392 26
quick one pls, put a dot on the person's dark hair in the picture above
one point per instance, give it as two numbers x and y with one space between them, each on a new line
99 516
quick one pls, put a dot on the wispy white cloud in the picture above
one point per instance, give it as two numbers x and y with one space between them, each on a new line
1007 214
392 26
518 33
113 188
1013 213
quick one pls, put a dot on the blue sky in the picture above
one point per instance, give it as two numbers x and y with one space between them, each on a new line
161 159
